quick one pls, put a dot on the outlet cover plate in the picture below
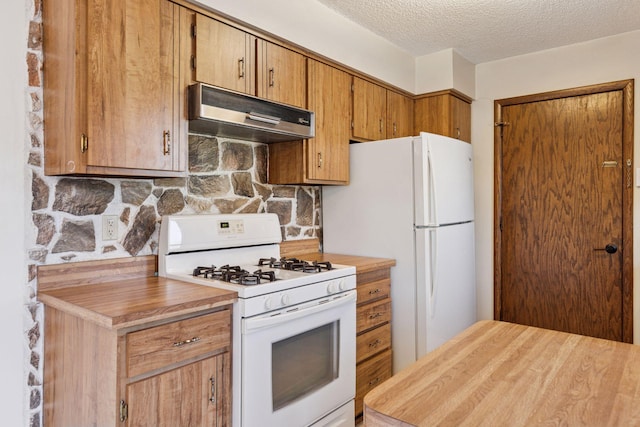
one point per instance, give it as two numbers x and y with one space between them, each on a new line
109 227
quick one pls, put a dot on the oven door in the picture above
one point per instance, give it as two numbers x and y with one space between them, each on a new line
299 365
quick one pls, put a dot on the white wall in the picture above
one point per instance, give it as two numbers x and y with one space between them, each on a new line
13 192
310 24
445 70
598 61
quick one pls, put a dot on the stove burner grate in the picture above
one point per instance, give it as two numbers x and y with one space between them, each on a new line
234 274
295 264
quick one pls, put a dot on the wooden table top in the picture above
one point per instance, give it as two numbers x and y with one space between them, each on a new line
503 374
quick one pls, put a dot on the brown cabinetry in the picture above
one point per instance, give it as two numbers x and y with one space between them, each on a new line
111 88
373 353
369 111
172 374
399 115
224 55
380 113
135 350
282 74
446 113
325 158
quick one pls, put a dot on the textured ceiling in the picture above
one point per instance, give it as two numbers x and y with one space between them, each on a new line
486 30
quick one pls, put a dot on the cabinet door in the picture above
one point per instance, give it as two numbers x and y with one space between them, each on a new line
445 114
460 119
193 395
369 110
224 55
132 83
282 74
399 115
330 99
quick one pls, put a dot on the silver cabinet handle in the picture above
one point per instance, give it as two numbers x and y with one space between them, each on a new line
212 399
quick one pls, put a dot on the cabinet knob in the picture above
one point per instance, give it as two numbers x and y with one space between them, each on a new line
271 77
319 160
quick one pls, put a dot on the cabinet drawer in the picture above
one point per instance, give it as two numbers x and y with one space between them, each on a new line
373 291
372 342
175 342
371 315
370 374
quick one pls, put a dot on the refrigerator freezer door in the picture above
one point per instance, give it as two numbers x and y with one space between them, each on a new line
445 179
446 290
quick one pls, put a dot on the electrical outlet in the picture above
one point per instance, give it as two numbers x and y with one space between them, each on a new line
109 227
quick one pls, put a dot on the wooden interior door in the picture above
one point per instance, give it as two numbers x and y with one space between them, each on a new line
564 195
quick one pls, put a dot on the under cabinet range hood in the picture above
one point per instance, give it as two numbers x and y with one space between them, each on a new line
220 112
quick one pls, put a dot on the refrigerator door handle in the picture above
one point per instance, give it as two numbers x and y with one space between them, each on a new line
433 260
432 193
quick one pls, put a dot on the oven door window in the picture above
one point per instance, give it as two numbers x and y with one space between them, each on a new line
304 363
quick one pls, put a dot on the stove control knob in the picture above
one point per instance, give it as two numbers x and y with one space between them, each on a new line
342 285
332 288
268 304
285 299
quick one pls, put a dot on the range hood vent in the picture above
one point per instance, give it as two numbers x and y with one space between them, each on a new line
220 112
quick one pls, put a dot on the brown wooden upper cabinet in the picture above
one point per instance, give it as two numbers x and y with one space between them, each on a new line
325 158
224 55
111 88
446 112
399 115
282 74
379 113
369 111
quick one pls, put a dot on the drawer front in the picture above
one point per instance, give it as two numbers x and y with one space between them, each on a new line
373 291
175 342
370 374
373 342
374 314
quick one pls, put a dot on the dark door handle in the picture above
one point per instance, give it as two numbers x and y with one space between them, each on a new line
610 249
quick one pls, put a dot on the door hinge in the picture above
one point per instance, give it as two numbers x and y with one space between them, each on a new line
124 411
194 31
193 62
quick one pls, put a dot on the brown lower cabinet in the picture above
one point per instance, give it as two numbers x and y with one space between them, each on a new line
176 373
134 350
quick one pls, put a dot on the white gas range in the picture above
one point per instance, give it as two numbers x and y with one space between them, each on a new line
294 322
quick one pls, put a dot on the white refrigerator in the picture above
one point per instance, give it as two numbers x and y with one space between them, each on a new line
411 199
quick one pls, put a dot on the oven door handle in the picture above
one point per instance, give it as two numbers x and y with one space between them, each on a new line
260 322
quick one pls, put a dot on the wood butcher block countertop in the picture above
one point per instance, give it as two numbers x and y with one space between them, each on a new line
503 374
123 292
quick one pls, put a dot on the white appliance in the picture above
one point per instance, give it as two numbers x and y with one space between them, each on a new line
411 199
294 323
